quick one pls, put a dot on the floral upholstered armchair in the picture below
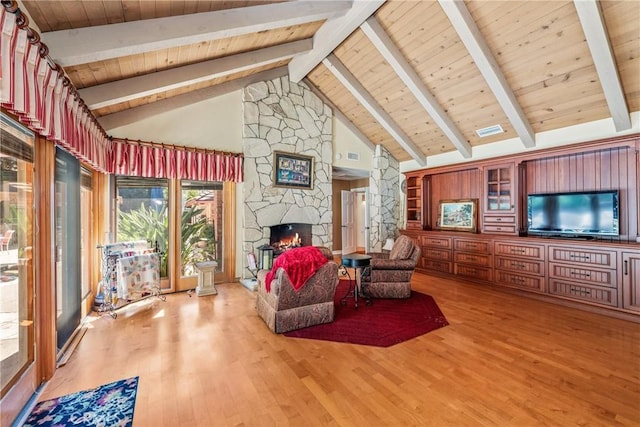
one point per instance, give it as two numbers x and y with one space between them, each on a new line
389 275
283 308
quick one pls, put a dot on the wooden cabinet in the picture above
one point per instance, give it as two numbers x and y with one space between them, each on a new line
520 265
583 274
473 258
499 193
414 202
631 280
436 254
602 275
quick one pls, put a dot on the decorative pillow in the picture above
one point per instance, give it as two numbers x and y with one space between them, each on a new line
402 248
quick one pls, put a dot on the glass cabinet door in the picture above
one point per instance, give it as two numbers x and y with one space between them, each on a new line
499 191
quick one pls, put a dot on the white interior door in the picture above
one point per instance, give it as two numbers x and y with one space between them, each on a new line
367 223
349 236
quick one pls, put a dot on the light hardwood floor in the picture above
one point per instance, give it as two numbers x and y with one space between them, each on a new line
504 360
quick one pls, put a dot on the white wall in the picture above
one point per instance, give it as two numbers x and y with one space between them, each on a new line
214 124
345 141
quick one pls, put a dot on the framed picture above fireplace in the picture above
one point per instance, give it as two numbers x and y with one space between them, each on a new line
292 170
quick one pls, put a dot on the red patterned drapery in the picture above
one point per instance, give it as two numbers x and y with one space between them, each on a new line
34 88
147 159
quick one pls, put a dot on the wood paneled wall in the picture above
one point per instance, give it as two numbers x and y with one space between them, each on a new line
606 169
463 184
596 170
589 166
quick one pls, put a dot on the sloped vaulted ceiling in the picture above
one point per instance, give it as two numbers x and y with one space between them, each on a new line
419 77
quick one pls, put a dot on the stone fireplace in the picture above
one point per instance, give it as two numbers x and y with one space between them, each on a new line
289 236
280 115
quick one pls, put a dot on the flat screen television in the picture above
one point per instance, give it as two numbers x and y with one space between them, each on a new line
575 214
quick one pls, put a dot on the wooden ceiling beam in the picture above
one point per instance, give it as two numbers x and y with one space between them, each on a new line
376 34
595 30
349 81
133 115
330 35
91 44
119 91
470 34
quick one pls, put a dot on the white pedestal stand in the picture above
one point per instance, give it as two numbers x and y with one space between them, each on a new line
206 271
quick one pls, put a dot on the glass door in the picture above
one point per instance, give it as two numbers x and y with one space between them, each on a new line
201 229
16 253
143 214
67 244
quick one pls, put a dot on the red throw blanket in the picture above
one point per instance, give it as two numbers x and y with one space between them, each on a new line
299 264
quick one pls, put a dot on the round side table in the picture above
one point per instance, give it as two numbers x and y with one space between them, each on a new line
357 261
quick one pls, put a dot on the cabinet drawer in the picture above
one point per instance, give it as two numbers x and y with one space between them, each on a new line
518 250
475 259
596 294
583 256
584 275
472 246
520 281
436 242
442 254
476 273
506 220
436 265
520 265
414 225
489 228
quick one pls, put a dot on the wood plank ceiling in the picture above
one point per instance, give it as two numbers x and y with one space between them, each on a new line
425 85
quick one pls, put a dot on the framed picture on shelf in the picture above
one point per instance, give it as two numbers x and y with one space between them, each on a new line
292 170
458 215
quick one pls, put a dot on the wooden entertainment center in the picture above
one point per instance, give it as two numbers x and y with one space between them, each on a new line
599 274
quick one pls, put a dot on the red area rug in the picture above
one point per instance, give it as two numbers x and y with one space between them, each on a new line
382 324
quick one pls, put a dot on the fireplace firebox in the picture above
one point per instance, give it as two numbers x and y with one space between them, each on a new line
289 236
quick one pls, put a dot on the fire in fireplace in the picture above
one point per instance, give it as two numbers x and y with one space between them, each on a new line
288 236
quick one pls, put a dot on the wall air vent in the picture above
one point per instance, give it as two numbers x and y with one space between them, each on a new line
353 156
488 131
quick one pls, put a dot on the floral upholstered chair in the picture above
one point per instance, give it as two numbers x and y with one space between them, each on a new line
283 308
389 275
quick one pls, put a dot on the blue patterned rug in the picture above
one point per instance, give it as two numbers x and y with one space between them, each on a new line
107 406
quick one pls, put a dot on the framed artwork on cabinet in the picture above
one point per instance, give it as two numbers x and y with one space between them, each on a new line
458 215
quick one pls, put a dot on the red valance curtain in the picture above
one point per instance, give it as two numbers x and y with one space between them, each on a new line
147 159
37 91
